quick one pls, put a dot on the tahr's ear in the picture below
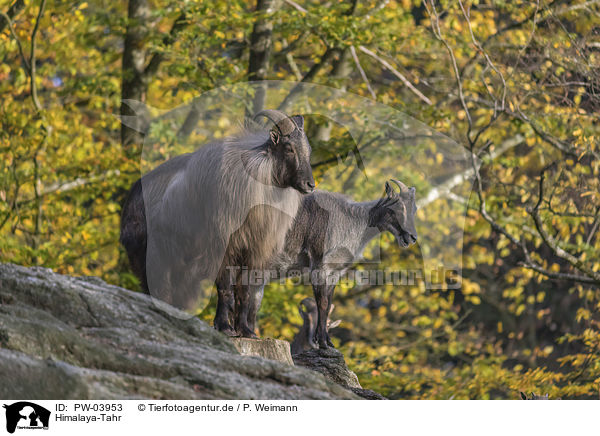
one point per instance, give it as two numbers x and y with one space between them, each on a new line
302 313
299 120
274 134
523 396
335 323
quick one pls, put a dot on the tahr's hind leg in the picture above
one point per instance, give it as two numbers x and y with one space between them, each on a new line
256 295
225 311
330 290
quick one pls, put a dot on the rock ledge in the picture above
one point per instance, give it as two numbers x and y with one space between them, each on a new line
64 337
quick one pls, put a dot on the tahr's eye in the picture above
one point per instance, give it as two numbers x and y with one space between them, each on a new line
289 149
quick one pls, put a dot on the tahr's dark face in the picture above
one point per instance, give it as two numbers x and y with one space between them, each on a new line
399 216
292 158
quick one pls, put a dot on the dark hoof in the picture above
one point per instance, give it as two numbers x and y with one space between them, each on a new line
227 331
324 345
247 333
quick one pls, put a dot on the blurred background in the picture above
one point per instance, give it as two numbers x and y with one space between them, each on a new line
489 108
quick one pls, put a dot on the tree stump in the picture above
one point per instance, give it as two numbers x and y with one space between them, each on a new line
268 348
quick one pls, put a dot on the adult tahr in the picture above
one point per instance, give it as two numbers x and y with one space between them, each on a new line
329 235
199 218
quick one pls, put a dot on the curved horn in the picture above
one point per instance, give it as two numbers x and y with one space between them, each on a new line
402 186
284 124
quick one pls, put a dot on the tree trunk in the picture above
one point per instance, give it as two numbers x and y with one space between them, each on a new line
260 50
134 84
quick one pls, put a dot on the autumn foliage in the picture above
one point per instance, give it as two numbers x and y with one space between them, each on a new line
515 83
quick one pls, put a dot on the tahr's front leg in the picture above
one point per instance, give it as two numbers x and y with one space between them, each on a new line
225 308
323 299
242 312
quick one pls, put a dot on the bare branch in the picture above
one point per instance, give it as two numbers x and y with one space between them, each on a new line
435 26
557 143
466 14
326 59
65 186
338 157
395 72
362 72
293 66
379 6
531 264
152 67
24 60
595 226
444 189
14 9
296 6
14 204
576 262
